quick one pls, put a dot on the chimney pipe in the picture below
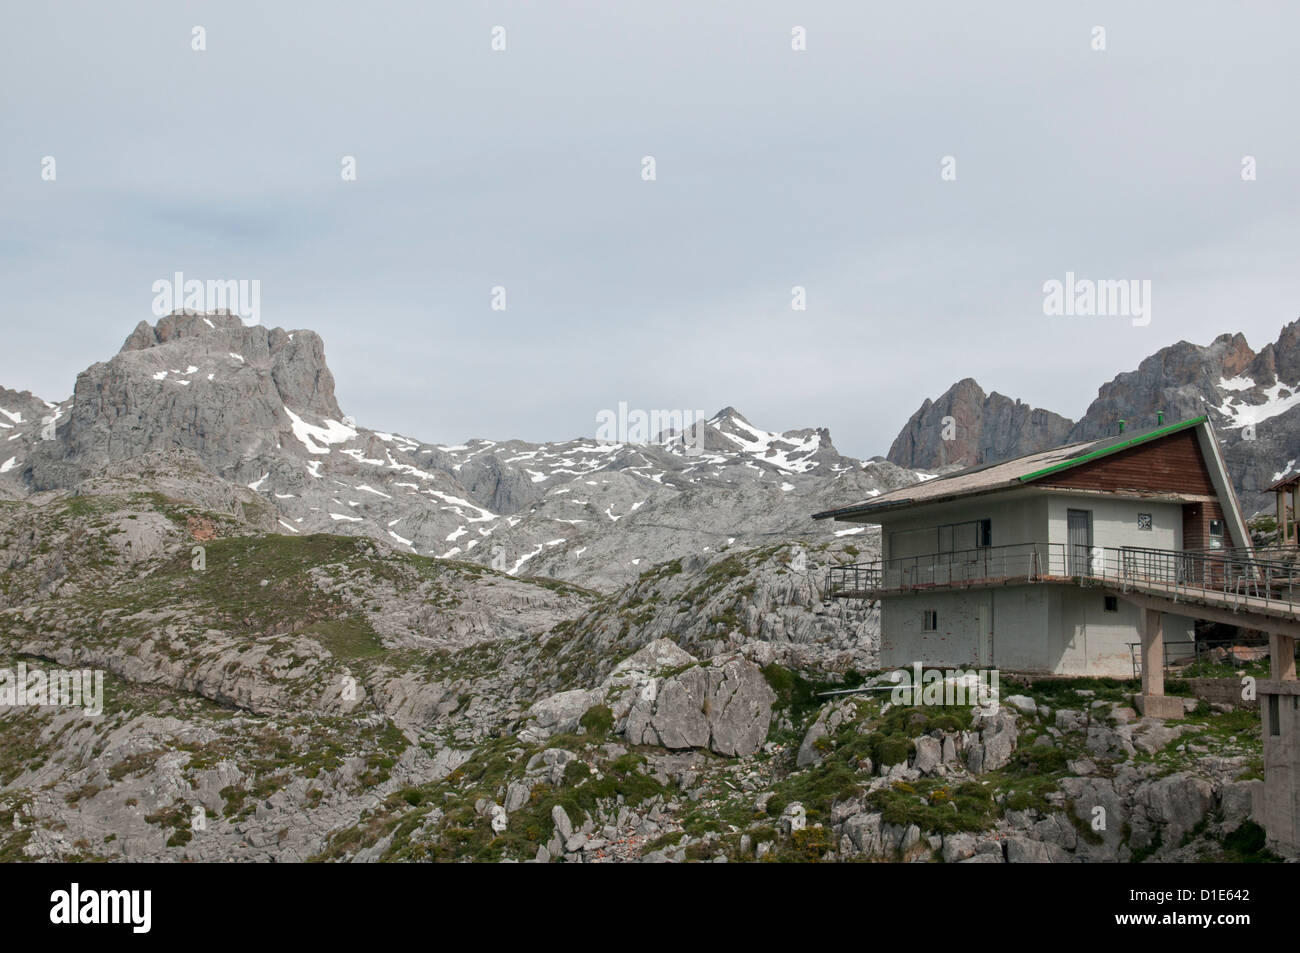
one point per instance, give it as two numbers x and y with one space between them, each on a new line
1121 425
1160 417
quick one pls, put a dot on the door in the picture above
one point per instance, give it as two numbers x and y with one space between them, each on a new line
984 646
1078 541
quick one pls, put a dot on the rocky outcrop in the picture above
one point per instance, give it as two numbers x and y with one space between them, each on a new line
725 707
966 427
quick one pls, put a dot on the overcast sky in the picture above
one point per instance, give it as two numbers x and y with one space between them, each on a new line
775 167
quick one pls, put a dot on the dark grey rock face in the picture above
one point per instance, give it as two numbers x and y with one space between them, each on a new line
1178 379
984 428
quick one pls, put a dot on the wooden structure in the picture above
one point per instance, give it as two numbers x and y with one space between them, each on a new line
1287 495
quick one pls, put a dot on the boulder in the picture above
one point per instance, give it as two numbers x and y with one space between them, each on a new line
929 754
559 714
1178 803
1236 802
725 707
1023 850
563 826
808 753
957 847
998 735
1022 703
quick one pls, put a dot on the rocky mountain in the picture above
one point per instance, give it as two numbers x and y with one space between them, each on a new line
257 407
1252 398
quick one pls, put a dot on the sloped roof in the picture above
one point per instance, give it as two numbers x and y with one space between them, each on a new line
1008 473
1284 483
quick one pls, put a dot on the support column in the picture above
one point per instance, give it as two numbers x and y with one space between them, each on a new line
1279 700
1153 701
1281 651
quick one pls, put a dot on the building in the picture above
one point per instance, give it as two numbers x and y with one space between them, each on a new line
1025 565
1090 559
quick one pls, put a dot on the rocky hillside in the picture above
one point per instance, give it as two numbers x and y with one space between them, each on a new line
295 697
1252 398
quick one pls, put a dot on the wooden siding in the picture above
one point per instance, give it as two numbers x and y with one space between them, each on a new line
1170 465
1196 525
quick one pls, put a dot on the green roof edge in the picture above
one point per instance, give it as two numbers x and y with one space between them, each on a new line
1142 438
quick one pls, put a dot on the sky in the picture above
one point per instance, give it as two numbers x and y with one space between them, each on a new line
523 168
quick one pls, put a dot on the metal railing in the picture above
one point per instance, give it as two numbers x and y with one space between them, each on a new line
1224 577
1135 655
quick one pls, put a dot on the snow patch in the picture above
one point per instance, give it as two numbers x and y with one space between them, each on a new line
318 439
1275 404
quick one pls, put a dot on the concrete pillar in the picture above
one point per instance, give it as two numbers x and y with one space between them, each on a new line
1281 651
1279 703
1153 653
1153 702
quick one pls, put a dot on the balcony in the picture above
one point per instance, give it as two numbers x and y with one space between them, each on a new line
1230 579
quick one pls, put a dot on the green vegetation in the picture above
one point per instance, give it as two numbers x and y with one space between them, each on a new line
1245 845
936 805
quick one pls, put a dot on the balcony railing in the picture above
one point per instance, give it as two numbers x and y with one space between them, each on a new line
1233 577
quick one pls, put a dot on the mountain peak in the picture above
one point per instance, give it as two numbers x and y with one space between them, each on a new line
180 324
966 427
199 381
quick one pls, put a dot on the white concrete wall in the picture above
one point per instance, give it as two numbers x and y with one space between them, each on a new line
1085 639
1018 616
1019 517
1049 629
903 639
1020 626
1115 521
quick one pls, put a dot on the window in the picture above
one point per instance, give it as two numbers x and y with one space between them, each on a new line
960 537
931 620
1216 534
1112 603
